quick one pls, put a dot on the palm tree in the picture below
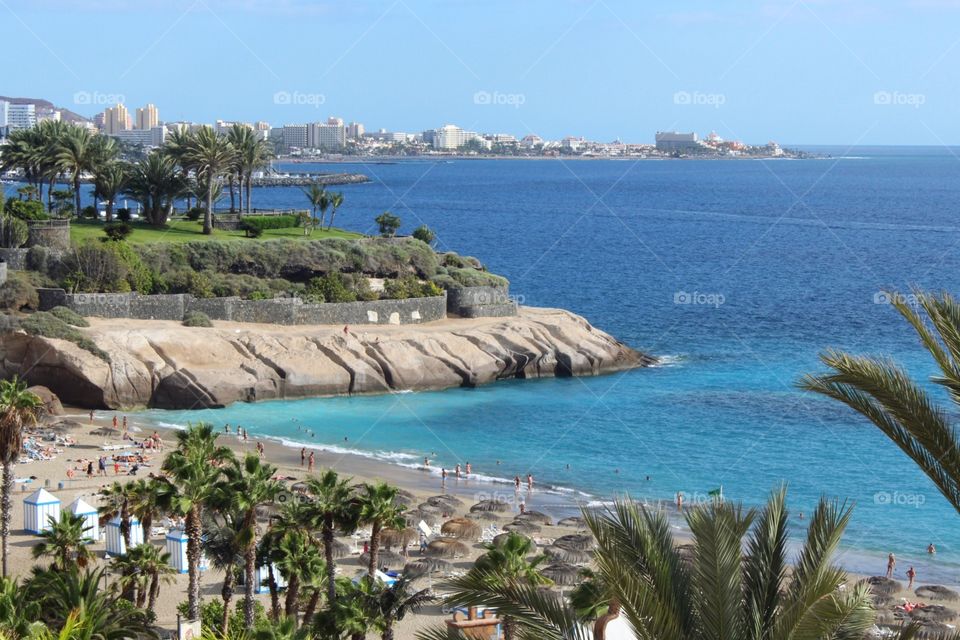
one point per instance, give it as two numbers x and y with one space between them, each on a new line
155 182
378 508
393 603
731 588
301 564
193 470
143 569
149 499
251 154
317 196
333 508
82 151
885 394
66 541
250 484
175 147
336 201
221 546
210 155
18 407
351 614
109 180
18 614
115 502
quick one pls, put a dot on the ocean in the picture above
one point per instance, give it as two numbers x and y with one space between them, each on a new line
735 273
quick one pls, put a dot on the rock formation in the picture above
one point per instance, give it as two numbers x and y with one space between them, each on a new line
165 365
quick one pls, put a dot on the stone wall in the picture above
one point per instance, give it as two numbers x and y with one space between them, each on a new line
481 302
278 311
3 272
16 259
53 234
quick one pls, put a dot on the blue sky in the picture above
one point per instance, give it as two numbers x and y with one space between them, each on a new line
795 71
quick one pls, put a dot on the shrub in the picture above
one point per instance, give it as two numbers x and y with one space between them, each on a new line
272 222
410 287
117 231
388 224
250 230
15 233
69 316
211 617
48 325
196 319
423 233
89 212
26 209
123 214
104 267
17 293
456 278
329 288
194 214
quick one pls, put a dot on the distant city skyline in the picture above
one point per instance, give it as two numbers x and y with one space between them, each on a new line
799 72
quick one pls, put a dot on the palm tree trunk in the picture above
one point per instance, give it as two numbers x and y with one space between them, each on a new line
374 548
208 214
328 554
249 190
5 510
193 562
312 606
109 210
226 592
290 608
76 191
387 629
154 591
333 214
249 588
125 526
274 592
232 197
507 628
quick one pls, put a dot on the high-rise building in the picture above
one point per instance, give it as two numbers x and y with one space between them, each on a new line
147 117
671 141
333 120
327 136
296 135
152 137
17 116
355 131
451 137
116 119
262 126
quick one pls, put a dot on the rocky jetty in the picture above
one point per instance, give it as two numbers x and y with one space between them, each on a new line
165 365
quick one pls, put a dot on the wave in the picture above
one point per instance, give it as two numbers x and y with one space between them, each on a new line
668 360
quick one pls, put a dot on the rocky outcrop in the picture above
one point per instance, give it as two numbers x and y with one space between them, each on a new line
163 364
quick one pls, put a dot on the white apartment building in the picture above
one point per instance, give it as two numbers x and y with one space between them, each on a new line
17 116
327 136
451 137
153 137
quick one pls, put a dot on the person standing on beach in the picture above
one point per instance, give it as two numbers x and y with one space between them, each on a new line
679 500
911 574
303 456
530 481
310 463
90 469
516 482
124 424
102 466
457 470
426 461
468 468
91 416
891 565
114 422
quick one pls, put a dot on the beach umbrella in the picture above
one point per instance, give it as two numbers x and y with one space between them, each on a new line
576 541
63 426
414 517
299 487
573 521
406 494
463 528
535 517
424 566
403 501
446 548
519 526
445 500
398 537
106 430
883 586
567 556
385 558
563 575
500 539
340 549
485 516
432 508
490 505
933 613
936 592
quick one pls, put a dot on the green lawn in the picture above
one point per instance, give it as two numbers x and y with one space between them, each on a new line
187 231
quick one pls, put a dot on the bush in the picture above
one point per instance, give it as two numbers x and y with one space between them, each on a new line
89 212
329 288
423 233
272 222
123 214
194 214
48 325
211 617
410 287
15 233
26 209
117 231
388 224
456 278
69 316
17 293
196 319
111 267
250 230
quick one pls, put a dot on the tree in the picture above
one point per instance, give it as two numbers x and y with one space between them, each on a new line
65 540
252 154
193 469
210 155
351 614
300 562
388 224
149 499
81 151
143 568
336 201
317 196
222 548
18 407
393 603
377 507
734 586
115 503
155 181
885 394
332 508
250 484
109 180
423 233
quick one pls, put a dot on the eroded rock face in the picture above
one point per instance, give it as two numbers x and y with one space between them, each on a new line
165 365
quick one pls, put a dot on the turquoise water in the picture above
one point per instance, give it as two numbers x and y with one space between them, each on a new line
790 255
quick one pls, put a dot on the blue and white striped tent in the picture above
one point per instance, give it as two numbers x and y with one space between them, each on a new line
38 508
262 577
176 546
91 520
115 543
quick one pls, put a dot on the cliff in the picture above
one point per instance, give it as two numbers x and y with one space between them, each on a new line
165 365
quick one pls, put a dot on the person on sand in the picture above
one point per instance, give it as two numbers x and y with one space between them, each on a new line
891 565
310 463
124 423
91 416
116 467
114 422
90 469
911 574
423 543
260 449
426 461
303 456
931 549
102 466
346 330
443 475
523 508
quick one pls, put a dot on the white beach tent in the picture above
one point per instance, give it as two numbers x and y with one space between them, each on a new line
91 520
115 543
176 546
263 579
38 508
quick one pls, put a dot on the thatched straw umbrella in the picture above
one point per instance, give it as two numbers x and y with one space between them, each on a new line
424 566
106 430
340 549
403 501
882 586
936 592
563 575
446 548
484 516
567 556
933 613
519 526
445 500
576 541
687 553
535 517
501 539
432 508
490 505
573 521
384 559
64 426
414 517
462 528
398 537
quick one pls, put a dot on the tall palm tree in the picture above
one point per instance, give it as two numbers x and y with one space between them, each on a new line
317 196
336 201
210 155
377 507
193 469
247 155
301 564
81 151
155 182
115 502
222 548
251 484
66 541
393 603
333 508
149 499
175 147
18 407
109 179
143 569
254 154
884 393
735 586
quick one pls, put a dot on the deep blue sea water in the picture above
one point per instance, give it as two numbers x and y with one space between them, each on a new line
786 257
